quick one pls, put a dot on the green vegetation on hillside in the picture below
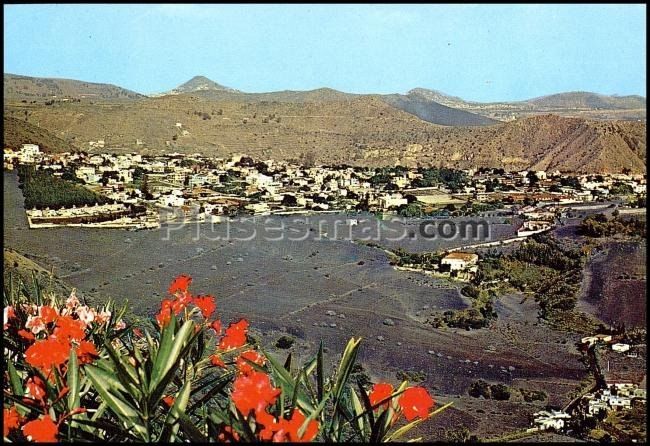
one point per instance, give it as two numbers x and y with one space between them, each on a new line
600 226
543 266
42 190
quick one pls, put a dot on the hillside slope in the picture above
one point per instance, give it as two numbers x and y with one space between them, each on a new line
363 130
200 83
18 132
582 99
431 111
18 87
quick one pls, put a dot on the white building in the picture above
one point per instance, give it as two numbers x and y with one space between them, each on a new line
620 347
531 227
392 201
459 261
553 419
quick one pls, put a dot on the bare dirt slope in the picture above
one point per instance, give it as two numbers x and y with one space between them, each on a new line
360 130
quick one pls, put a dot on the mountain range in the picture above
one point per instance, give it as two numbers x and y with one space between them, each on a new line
574 131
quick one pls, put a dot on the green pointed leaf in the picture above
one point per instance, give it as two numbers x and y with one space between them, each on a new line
320 372
16 383
73 381
404 429
127 413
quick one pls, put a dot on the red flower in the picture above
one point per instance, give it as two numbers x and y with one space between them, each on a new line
205 304
36 388
28 335
216 326
47 353
273 428
243 366
228 435
217 361
380 391
182 300
169 400
416 402
10 420
180 284
164 316
48 314
86 352
69 329
294 424
42 430
253 392
235 336
7 315
137 332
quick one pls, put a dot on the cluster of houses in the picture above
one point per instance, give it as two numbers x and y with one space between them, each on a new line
623 376
203 187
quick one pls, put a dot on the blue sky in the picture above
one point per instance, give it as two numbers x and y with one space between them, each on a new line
482 53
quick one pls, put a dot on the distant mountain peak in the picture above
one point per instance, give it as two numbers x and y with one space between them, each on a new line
200 83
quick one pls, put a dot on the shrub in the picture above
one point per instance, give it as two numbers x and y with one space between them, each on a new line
91 377
285 342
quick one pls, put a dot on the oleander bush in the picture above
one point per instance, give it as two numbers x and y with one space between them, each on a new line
76 373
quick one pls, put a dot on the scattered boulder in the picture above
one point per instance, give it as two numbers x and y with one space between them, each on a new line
330 313
389 322
213 267
380 338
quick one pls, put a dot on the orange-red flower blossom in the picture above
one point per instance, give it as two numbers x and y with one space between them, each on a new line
7 314
36 388
380 392
180 284
48 314
42 430
293 426
217 361
416 402
47 353
28 335
169 400
10 420
253 392
243 366
235 336
69 329
216 326
205 304
165 314
86 352
228 435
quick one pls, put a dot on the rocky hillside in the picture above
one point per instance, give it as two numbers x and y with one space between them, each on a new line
18 267
581 99
200 83
360 130
431 111
34 88
18 132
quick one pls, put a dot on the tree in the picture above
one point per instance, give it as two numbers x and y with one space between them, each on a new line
289 200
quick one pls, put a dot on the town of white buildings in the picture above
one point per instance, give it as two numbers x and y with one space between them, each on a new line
202 188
